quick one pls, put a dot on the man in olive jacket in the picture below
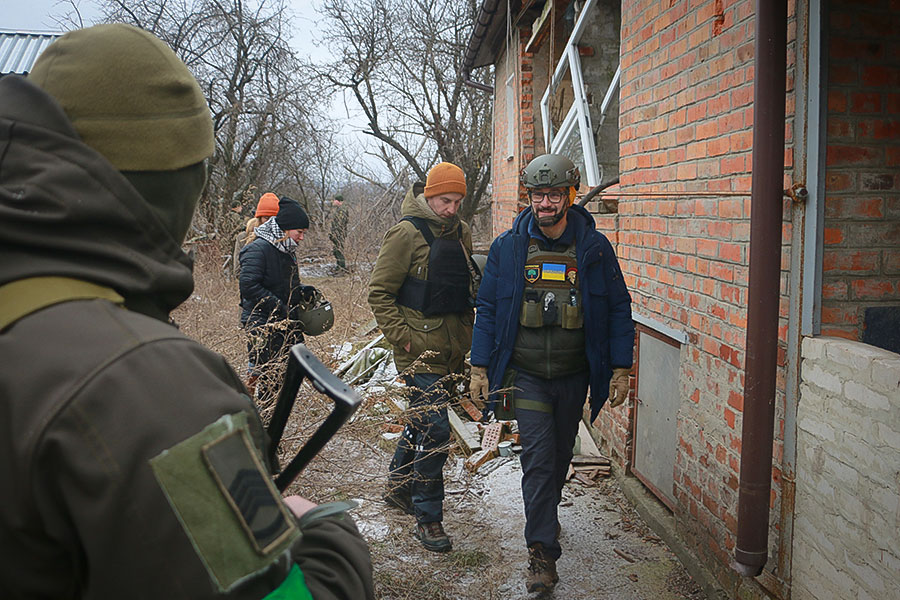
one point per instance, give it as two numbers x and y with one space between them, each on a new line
132 459
420 292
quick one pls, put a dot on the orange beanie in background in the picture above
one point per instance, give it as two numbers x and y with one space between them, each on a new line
445 178
267 205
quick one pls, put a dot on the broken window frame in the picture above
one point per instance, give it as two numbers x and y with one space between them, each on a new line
579 113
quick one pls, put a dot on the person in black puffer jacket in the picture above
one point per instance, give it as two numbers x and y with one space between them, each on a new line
270 288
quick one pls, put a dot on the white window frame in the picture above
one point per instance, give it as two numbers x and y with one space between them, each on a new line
511 116
579 114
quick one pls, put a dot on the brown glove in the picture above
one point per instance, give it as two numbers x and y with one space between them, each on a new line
478 386
618 387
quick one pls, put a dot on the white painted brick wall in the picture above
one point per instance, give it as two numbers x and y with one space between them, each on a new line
847 511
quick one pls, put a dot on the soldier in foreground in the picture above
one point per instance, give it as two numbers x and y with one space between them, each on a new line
132 462
554 317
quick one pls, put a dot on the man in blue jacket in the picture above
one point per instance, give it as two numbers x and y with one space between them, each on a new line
553 317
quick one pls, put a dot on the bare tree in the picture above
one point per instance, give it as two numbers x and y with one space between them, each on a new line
400 62
239 51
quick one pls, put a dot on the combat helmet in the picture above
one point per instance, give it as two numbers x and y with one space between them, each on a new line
318 318
551 170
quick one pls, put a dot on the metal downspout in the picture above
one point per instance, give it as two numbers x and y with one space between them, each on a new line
751 549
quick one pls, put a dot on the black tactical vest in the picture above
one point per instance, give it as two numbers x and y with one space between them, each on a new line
550 341
447 288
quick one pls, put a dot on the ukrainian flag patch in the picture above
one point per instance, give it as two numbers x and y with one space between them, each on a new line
553 272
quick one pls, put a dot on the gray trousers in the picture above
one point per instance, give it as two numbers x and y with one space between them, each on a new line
547 437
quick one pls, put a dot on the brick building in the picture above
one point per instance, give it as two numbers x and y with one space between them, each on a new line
661 96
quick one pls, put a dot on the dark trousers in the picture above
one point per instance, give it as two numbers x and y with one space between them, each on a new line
418 463
547 438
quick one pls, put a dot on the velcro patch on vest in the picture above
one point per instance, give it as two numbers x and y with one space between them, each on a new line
532 273
553 272
225 501
572 275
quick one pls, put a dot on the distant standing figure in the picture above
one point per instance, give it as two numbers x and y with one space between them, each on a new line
266 207
339 232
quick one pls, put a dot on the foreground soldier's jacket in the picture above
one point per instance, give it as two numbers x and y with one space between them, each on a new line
115 426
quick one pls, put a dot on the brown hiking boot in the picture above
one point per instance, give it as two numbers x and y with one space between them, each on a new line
433 537
541 570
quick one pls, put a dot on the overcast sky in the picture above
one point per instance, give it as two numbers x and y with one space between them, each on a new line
43 15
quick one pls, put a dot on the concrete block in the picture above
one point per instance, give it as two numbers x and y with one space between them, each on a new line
865 574
814 347
887 501
886 375
881 529
846 474
891 561
856 355
888 436
812 400
808 530
816 375
859 452
850 505
820 430
865 396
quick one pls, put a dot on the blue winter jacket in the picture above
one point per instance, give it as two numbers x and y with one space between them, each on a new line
609 330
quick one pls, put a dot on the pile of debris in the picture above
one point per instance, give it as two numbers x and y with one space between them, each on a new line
482 442
371 371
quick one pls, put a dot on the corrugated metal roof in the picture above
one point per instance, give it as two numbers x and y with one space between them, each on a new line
19 49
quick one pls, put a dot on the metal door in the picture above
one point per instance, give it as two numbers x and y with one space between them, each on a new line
656 407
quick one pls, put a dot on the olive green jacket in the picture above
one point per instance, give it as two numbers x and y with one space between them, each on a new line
404 252
105 489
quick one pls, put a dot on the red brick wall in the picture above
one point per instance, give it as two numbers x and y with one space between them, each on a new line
686 124
862 178
506 191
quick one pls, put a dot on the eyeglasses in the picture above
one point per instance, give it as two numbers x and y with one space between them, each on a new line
554 196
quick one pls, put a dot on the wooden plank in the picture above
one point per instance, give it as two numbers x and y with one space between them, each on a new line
580 477
589 460
467 442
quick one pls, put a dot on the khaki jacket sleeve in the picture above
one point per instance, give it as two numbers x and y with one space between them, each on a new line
391 269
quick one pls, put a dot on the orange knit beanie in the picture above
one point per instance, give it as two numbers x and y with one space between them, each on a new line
445 178
267 205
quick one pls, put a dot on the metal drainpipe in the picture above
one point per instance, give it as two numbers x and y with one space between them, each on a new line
751 549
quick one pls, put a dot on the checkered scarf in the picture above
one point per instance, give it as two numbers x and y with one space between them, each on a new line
272 233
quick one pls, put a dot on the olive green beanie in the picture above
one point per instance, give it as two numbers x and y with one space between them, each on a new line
129 97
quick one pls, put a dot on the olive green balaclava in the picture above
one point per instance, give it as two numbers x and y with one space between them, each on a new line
134 101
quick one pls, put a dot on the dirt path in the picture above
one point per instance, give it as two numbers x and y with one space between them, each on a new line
484 516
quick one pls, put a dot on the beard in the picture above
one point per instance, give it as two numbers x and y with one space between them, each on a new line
550 220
